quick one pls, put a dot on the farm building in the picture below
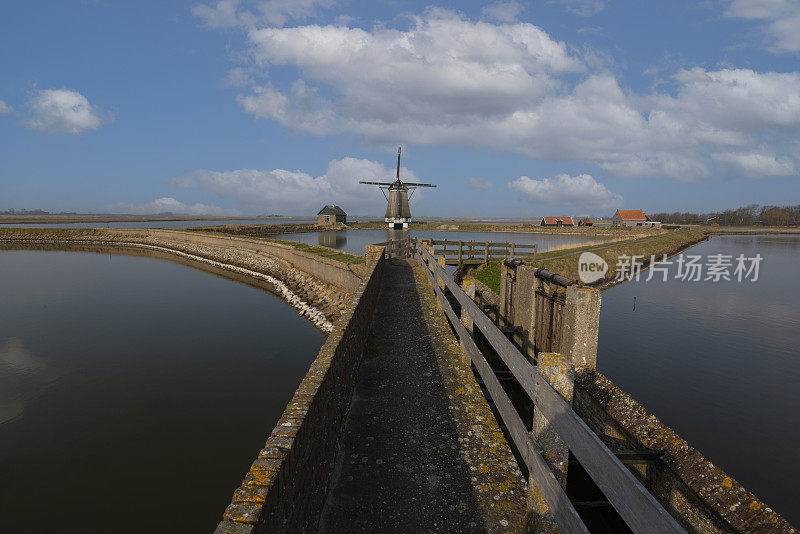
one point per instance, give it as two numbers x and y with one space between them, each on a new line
632 218
586 222
331 214
557 221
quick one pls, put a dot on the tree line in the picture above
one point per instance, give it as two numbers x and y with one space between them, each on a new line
752 215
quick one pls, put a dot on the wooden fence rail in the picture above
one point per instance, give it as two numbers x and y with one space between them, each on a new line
637 507
479 252
464 252
399 248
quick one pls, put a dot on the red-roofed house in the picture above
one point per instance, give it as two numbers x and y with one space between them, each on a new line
557 221
586 222
632 218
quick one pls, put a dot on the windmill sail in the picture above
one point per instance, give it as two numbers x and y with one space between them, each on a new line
398 210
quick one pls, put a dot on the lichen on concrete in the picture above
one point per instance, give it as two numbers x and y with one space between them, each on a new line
421 449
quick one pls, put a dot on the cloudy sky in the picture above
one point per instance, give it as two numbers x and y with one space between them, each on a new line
513 108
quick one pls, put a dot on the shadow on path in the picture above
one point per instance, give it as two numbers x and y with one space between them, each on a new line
399 467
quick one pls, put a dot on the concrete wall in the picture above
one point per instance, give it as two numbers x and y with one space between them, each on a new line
700 495
285 488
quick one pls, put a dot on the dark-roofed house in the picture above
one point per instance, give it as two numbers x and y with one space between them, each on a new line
557 221
331 214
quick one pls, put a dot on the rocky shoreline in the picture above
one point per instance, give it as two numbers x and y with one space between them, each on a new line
312 299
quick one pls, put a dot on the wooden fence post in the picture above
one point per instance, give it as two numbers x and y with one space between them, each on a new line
439 279
486 253
469 288
560 373
512 250
460 246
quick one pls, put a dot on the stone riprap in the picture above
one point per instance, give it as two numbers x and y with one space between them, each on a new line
421 449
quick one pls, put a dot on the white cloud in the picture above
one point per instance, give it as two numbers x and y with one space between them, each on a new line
584 8
480 184
501 11
511 87
168 205
780 18
581 191
757 164
443 72
296 192
5 109
233 13
63 111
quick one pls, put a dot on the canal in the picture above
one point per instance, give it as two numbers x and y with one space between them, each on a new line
355 241
719 362
135 392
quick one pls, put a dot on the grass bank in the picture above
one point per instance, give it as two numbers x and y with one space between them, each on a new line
565 261
317 250
325 252
750 230
67 234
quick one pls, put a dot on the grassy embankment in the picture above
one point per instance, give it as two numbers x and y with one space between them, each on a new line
565 261
67 234
50 233
325 252
261 231
749 230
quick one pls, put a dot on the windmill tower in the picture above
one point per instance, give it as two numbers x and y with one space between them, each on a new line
398 212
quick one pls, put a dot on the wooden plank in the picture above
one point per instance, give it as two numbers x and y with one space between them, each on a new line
497 244
638 508
563 512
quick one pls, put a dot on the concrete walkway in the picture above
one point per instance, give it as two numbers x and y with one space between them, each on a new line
421 450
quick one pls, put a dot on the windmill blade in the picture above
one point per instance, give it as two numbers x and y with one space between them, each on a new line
377 183
412 184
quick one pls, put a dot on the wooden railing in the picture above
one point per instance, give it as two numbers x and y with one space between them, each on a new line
637 507
399 248
462 252
479 252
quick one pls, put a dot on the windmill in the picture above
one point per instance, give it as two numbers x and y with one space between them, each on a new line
398 212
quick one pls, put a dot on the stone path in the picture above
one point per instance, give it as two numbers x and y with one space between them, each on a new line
421 450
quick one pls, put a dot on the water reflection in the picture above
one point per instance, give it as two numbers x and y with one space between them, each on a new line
148 379
337 240
718 362
23 375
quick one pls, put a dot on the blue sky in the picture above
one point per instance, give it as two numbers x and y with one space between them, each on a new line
514 109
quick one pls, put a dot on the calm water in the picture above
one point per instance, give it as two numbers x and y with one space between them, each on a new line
719 362
355 241
135 392
145 224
